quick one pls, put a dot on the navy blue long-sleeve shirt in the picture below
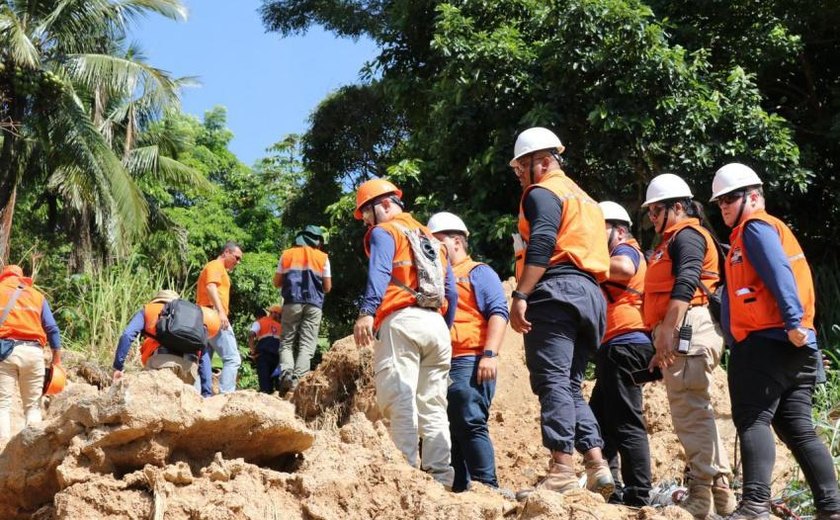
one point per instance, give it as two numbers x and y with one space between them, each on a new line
50 326
382 251
489 294
134 328
763 247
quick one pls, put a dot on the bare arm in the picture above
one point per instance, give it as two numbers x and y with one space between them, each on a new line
327 284
277 280
621 268
213 291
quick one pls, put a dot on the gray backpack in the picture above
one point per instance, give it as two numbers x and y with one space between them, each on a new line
425 253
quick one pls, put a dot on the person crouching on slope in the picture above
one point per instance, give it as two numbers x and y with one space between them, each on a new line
411 344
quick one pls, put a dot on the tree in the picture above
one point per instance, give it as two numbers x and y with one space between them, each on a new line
52 59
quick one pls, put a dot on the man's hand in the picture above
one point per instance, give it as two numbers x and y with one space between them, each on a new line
117 376
798 336
664 345
517 316
487 369
223 320
363 331
56 357
253 354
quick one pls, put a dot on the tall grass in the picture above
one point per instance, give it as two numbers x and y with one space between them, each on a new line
94 309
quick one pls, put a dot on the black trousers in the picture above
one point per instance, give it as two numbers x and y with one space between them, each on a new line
771 382
617 405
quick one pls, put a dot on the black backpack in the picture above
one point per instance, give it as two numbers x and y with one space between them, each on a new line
180 327
715 297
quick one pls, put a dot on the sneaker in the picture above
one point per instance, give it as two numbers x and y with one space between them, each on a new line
750 510
599 479
560 479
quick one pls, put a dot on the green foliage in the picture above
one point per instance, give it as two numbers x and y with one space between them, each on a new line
93 309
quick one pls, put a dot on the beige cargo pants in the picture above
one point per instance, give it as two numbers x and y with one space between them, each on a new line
411 361
688 382
24 368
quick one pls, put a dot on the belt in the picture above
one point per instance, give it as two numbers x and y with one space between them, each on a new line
23 342
188 357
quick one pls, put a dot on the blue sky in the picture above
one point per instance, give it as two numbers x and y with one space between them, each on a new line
270 85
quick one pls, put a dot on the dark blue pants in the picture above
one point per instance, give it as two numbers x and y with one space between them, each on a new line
205 372
267 361
771 382
469 409
617 404
568 318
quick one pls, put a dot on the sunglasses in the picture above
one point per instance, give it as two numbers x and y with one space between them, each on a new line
238 258
730 198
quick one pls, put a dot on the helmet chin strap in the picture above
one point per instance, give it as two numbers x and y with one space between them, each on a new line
611 237
741 209
664 221
531 170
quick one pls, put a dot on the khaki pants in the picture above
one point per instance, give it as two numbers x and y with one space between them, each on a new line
411 362
688 382
24 367
186 370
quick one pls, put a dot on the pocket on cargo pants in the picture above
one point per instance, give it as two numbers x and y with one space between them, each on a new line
692 372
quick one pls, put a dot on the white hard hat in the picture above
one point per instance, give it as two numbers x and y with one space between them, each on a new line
445 221
614 211
666 186
732 176
536 139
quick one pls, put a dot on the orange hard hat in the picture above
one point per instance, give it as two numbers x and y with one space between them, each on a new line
212 321
371 189
54 380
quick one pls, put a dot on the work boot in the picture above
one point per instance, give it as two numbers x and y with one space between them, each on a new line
560 479
698 502
750 510
828 515
725 502
599 479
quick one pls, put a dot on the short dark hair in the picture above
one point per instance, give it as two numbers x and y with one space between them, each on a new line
230 245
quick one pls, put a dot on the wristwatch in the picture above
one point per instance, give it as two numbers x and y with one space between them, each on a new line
490 353
518 295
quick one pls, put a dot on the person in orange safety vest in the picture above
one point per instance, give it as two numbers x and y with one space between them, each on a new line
768 309
411 344
480 322
626 348
558 306
681 272
26 326
264 346
153 356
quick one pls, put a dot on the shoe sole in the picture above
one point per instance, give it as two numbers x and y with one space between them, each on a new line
605 491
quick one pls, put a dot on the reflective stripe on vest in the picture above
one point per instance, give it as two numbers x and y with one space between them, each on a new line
402 269
24 320
469 330
624 301
659 280
581 221
752 305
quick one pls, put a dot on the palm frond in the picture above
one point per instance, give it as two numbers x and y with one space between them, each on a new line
124 76
147 161
14 38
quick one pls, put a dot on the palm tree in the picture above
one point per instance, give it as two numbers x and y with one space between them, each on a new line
53 60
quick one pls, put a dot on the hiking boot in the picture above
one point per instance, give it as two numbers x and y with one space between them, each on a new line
599 479
699 500
724 498
560 479
750 510
828 515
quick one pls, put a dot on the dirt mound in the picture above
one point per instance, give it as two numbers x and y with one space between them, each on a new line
342 385
146 419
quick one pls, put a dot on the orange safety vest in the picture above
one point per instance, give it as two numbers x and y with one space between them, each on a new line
469 330
659 280
24 320
269 328
624 302
403 270
751 304
151 313
581 221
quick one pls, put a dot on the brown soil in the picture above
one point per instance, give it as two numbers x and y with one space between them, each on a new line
150 447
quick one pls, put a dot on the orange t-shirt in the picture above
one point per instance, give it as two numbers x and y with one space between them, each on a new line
214 272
